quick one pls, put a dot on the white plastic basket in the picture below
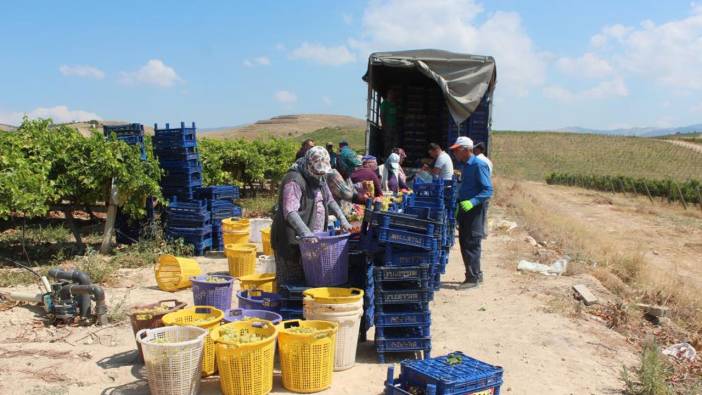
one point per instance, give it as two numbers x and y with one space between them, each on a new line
174 366
265 264
256 225
347 335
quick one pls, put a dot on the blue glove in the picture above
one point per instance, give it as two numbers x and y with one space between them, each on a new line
466 205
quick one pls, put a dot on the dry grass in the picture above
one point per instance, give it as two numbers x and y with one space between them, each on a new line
624 272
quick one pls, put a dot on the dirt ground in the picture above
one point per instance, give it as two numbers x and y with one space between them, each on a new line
514 320
668 236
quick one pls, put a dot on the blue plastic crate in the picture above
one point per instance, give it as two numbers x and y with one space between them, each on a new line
193 163
407 238
427 202
383 331
188 207
433 189
402 296
169 144
426 213
402 315
132 140
395 256
469 376
292 291
173 156
218 192
131 129
402 342
292 314
182 193
393 387
400 273
404 221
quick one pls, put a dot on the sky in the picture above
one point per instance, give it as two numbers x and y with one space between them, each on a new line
595 64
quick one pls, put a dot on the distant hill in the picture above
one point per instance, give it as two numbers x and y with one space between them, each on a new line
7 128
641 132
286 126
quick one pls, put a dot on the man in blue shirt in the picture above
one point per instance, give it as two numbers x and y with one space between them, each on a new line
473 194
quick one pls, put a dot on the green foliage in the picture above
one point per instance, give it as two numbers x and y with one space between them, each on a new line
652 377
659 188
534 155
43 165
244 161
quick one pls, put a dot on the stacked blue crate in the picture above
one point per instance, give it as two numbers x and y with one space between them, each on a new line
190 221
176 150
220 201
128 231
405 246
477 126
361 276
291 300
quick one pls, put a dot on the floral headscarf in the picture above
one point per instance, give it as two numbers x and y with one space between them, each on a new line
317 162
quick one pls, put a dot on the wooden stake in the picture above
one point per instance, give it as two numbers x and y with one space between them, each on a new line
648 192
682 198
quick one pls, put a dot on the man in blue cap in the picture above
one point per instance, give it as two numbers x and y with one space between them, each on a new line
473 194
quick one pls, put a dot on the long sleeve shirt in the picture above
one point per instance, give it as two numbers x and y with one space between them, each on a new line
292 196
475 185
366 174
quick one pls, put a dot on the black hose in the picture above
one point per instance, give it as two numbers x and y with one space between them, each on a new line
21 266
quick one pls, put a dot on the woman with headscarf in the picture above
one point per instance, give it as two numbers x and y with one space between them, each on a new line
393 176
304 204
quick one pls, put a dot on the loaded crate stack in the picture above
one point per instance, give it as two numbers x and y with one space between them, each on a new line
361 276
291 300
128 230
404 248
176 149
220 201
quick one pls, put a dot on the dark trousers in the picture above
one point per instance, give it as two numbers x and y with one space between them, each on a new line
288 267
471 231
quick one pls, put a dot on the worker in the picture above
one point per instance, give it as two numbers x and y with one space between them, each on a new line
332 154
304 204
479 151
393 177
363 177
475 190
388 120
306 145
343 190
347 160
442 166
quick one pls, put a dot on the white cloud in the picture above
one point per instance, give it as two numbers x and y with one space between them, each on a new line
588 65
154 72
327 100
59 114
603 90
280 47
697 108
669 53
611 88
85 71
453 25
285 97
333 56
258 61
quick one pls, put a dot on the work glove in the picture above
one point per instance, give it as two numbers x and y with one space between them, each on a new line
466 205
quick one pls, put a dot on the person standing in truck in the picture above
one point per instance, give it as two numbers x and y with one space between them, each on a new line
474 192
388 121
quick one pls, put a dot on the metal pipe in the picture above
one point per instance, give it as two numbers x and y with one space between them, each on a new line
77 277
22 297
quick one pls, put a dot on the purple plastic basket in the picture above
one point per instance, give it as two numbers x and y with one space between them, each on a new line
218 295
325 259
239 314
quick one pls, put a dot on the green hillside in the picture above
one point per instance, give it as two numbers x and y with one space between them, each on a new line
534 155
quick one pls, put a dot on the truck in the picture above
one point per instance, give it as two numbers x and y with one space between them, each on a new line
427 96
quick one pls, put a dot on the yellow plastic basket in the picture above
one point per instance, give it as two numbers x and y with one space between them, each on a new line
246 369
266 241
241 258
263 281
329 295
236 236
235 223
173 273
205 317
307 359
